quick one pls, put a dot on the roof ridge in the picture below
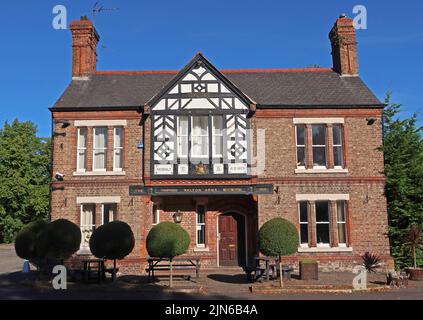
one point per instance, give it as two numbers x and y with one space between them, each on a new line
294 70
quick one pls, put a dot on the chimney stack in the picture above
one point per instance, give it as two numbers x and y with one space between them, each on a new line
343 38
84 47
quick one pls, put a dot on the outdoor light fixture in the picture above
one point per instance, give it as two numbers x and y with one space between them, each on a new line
65 123
177 216
370 121
60 176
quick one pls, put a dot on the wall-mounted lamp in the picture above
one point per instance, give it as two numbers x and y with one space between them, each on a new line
60 176
140 145
65 123
177 216
370 121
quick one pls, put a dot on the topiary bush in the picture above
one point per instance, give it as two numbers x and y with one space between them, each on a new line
59 240
26 240
278 237
167 240
113 240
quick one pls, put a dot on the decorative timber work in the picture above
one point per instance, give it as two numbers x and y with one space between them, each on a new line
200 124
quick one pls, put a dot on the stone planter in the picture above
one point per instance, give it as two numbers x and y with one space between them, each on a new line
416 274
309 270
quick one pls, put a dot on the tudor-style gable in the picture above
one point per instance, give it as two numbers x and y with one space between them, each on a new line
200 125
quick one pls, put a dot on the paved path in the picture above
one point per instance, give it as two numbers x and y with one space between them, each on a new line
9 262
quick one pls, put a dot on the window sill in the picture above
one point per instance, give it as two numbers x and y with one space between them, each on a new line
305 171
99 173
199 249
83 252
323 249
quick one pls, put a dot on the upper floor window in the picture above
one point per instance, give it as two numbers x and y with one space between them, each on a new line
118 149
217 139
301 145
338 153
100 149
182 133
82 149
200 137
319 146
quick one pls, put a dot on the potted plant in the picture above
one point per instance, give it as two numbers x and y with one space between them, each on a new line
414 241
278 237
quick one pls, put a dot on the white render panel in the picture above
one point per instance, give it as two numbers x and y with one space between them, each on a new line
98 123
318 120
323 197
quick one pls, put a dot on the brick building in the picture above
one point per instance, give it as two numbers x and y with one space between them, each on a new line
229 149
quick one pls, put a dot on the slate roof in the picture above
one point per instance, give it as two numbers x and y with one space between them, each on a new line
268 88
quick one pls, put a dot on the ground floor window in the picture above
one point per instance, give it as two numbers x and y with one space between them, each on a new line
322 223
87 223
156 214
341 219
304 239
109 212
201 226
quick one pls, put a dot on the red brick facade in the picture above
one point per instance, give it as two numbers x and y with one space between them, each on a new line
361 181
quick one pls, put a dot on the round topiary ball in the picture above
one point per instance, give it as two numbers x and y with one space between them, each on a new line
167 240
59 240
113 240
26 240
278 237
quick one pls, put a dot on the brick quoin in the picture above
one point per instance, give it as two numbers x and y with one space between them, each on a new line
363 180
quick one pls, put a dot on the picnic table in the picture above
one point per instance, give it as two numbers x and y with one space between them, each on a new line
188 263
94 265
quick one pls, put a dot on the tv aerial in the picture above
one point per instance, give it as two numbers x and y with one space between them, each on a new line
99 8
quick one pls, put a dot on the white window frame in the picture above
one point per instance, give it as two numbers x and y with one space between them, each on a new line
205 156
304 245
83 149
320 146
341 127
179 135
199 225
217 136
156 214
323 245
115 148
301 146
91 226
104 149
102 211
344 203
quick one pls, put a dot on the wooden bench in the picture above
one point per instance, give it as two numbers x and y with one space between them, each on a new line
163 264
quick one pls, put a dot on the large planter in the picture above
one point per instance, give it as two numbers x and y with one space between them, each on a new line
309 270
416 274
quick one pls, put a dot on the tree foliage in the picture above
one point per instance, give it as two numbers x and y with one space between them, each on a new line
24 177
113 240
59 240
278 237
403 149
167 240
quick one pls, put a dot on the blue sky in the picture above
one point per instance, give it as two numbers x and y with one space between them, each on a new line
35 59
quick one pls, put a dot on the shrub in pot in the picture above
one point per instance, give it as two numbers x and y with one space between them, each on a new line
414 241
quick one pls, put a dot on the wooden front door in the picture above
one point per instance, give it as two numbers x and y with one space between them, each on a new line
228 244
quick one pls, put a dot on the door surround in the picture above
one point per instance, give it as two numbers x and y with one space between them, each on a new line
218 238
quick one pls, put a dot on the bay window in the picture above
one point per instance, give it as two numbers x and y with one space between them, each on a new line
182 137
319 146
100 149
217 138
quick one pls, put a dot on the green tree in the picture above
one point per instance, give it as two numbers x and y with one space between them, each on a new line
403 149
24 177
278 237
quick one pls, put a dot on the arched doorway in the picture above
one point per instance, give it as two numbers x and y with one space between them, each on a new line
232 239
